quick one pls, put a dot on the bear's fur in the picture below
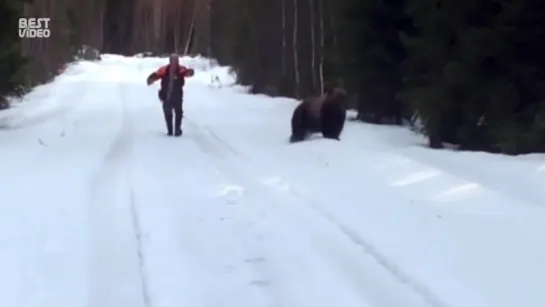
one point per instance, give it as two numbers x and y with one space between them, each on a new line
325 114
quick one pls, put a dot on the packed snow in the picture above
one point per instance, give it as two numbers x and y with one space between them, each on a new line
99 208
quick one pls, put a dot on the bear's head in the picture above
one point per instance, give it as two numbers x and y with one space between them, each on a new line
336 95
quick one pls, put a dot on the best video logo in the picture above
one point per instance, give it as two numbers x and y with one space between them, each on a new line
34 27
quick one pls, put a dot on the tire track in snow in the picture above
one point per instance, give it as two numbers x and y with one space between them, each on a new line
140 250
457 286
197 236
211 141
423 290
127 129
219 152
116 265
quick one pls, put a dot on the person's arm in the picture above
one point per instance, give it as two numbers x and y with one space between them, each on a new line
186 72
156 75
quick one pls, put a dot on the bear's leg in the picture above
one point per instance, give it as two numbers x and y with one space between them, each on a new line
299 124
337 129
332 121
314 125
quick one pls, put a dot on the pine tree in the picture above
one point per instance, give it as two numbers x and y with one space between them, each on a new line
475 73
11 60
373 55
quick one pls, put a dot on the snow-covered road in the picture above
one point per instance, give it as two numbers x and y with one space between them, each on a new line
98 208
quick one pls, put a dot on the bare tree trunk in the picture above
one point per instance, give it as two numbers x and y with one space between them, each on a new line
284 39
191 28
322 49
209 29
176 37
295 51
189 37
312 45
136 19
144 29
101 28
333 29
177 27
156 10
164 25
26 43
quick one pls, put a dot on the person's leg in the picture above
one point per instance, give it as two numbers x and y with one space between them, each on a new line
178 113
167 111
161 94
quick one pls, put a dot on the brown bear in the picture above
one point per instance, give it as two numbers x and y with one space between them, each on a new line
325 114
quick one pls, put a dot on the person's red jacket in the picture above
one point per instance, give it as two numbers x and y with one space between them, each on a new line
183 72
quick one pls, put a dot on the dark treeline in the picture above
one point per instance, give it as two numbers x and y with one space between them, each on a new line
468 72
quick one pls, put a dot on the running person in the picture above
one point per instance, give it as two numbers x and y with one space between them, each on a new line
171 93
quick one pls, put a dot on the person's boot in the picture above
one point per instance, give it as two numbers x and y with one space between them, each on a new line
178 123
168 121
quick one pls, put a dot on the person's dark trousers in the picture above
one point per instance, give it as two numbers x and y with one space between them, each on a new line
173 111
